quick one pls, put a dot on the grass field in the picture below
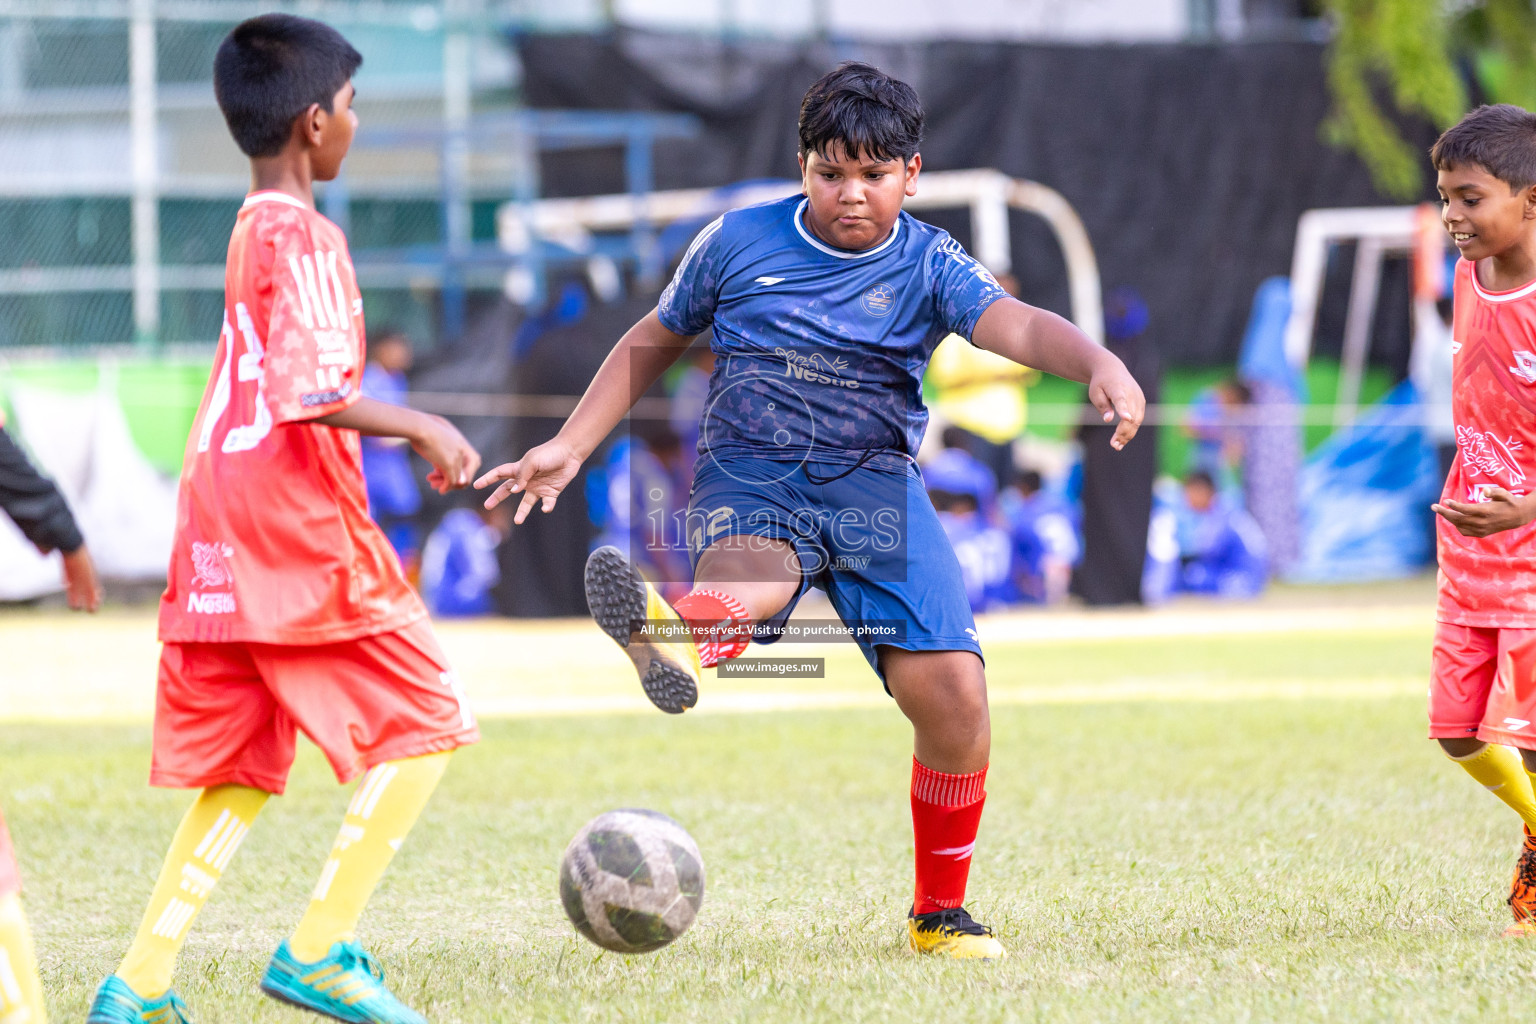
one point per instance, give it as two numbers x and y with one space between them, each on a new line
1192 816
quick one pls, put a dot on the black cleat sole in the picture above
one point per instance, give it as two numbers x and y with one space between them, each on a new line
670 689
616 599
615 594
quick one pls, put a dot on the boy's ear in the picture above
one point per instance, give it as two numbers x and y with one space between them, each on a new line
913 167
309 125
1530 203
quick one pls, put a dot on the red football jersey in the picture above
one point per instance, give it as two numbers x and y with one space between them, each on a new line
274 543
1491 581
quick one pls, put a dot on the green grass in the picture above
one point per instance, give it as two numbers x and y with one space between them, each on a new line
1227 860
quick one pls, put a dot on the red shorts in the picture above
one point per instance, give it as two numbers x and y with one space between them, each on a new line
1483 684
231 712
10 878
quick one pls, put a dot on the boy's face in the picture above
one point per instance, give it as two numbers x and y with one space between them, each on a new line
854 201
1485 218
330 134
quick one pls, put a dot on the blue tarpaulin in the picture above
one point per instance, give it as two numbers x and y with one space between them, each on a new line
1365 497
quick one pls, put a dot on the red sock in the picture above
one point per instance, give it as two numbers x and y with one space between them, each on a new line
946 811
717 620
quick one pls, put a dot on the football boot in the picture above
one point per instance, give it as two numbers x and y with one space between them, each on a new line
623 605
1522 890
116 1003
346 984
952 933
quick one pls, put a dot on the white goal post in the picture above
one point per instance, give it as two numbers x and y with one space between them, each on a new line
988 194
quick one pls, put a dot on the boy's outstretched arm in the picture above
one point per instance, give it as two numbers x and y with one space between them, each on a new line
636 363
1053 344
453 459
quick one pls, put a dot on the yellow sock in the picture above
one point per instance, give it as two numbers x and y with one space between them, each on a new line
1503 774
21 993
387 803
205 841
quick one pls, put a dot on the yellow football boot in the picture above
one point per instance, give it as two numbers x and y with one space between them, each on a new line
952 933
639 619
1522 891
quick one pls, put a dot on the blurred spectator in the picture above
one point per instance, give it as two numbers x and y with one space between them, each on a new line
1245 434
1215 424
43 516
981 393
1221 550
1117 486
1271 462
459 566
1042 527
394 500
962 491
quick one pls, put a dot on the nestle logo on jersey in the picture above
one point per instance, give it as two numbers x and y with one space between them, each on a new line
879 300
211 604
815 368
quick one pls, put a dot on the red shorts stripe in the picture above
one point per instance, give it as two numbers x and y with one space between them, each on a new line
231 712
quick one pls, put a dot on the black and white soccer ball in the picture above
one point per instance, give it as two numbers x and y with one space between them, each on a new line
632 880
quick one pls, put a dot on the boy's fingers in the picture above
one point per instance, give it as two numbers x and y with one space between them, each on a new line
1123 433
1101 401
471 463
523 508
502 472
549 502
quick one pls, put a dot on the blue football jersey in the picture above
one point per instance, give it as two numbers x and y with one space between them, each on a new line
820 352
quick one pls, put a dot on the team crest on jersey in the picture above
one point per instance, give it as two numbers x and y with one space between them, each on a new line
879 300
1491 456
1525 366
211 564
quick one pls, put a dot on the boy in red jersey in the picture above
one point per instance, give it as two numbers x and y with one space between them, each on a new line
286 609
1482 697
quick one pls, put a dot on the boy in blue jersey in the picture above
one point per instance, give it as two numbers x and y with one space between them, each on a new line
825 308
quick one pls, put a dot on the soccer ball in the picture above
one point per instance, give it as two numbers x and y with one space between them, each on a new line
632 880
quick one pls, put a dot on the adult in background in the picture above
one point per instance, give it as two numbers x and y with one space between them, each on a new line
1117 485
43 516
394 500
37 507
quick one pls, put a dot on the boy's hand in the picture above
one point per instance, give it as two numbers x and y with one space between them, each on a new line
1499 512
82 588
540 476
453 459
1114 392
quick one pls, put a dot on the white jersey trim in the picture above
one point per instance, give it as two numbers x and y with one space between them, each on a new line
840 254
1487 296
273 197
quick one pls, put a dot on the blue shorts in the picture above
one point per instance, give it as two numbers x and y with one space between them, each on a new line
870 539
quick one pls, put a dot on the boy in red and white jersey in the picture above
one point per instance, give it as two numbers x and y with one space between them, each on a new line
286 608
1482 698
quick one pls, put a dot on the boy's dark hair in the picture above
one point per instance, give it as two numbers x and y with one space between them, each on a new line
269 69
1500 138
1200 478
865 111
